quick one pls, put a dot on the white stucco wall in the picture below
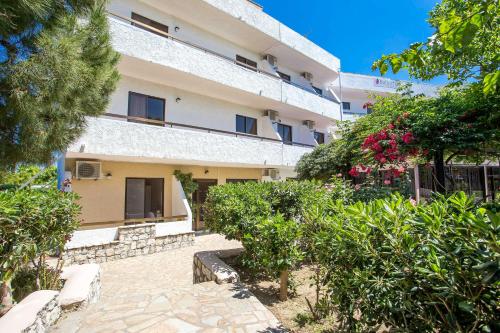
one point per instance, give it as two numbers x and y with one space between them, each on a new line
248 13
121 140
137 43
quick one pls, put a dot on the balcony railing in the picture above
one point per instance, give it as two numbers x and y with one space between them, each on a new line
234 61
205 129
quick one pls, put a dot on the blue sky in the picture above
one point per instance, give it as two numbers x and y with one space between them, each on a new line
357 31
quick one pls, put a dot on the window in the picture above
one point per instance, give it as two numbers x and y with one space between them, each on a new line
143 198
241 180
147 107
318 91
246 125
247 63
346 105
151 23
319 137
285 132
284 77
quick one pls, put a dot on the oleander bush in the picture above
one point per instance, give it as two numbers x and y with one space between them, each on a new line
34 224
266 218
415 268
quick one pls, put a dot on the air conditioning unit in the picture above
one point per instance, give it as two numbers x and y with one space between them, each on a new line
274 174
309 123
272 60
88 170
307 76
273 115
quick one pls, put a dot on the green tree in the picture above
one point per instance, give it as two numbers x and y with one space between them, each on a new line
464 46
57 66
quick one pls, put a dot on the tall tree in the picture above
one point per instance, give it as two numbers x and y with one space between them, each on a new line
57 66
464 46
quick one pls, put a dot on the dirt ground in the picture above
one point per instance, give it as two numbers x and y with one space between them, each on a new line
294 313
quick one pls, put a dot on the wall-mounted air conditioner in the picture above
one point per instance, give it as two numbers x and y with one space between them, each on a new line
309 124
274 174
308 76
272 60
273 115
88 170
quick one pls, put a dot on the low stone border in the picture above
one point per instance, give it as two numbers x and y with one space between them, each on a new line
82 286
40 309
209 266
131 241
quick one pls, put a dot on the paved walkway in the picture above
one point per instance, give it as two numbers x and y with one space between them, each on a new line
155 293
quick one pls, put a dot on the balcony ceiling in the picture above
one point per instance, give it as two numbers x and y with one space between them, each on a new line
163 75
200 13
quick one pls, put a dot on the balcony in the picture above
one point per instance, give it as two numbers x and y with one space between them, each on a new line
173 62
120 140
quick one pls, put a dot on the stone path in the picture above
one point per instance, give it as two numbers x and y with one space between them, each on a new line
155 293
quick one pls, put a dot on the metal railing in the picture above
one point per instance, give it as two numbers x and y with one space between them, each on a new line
205 129
234 61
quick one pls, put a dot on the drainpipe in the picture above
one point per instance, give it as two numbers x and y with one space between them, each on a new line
60 169
340 89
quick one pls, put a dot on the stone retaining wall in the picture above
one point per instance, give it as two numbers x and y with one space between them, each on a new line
46 316
131 241
209 266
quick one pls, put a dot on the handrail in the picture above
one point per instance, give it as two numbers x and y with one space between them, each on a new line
209 130
234 61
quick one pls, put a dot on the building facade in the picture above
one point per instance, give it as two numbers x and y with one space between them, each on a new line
358 92
214 88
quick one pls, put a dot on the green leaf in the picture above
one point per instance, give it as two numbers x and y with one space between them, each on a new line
466 306
396 63
491 82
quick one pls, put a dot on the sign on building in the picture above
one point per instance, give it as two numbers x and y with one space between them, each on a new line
385 83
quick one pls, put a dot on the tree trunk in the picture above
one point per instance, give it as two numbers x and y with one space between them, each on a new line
284 285
6 297
439 170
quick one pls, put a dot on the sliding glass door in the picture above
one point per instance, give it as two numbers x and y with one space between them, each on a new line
144 198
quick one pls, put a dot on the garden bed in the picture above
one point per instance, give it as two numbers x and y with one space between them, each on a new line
293 313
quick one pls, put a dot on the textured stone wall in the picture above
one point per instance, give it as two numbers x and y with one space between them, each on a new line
132 241
45 317
209 266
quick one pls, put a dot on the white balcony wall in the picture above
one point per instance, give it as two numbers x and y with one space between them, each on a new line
134 42
192 109
120 140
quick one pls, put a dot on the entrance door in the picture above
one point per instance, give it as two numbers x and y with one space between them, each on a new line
199 197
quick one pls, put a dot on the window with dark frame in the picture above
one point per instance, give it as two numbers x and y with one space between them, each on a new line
318 91
247 63
285 132
147 107
346 105
319 137
149 22
246 125
144 198
284 77
241 180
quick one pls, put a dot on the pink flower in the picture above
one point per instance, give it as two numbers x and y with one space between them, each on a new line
354 172
377 147
393 143
387 182
383 160
368 170
382 135
391 126
408 138
413 201
339 175
357 187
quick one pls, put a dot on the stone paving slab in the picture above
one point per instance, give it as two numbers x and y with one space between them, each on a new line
155 293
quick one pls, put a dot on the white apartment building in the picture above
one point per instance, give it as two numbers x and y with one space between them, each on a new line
358 92
217 88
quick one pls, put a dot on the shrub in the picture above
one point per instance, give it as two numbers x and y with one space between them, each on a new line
266 218
424 268
33 225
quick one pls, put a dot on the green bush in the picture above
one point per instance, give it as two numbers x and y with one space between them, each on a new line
33 225
266 218
424 268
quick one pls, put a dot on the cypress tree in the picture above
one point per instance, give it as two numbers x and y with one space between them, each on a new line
57 66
